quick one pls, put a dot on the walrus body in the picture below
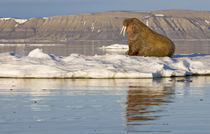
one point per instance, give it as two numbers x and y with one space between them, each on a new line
143 41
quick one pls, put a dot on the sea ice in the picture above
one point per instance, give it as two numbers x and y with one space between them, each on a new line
116 46
38 64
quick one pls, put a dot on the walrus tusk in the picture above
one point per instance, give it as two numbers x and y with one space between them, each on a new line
123 31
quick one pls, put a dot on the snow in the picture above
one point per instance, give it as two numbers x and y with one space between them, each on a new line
207 22
147 23
38 64
19 21
147 17
5 19
45 18
92 27
159 15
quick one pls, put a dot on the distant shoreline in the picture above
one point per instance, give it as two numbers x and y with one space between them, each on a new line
72 41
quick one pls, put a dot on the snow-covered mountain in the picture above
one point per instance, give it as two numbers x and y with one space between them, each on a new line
176 24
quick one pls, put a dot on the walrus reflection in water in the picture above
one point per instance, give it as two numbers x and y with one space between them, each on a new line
143 41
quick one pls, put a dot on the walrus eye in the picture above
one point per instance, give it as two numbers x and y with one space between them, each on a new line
123 31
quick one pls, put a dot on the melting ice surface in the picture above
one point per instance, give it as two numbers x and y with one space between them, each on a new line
38 64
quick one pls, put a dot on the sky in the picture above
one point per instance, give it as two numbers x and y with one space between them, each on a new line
45 8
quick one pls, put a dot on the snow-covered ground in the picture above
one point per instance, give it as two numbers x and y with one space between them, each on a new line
38 64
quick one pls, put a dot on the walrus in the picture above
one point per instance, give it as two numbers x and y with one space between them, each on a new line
143 41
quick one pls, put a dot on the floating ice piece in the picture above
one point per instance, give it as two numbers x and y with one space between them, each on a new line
116 46
42 65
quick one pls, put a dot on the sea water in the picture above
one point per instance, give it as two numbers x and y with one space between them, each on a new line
105 106
91 48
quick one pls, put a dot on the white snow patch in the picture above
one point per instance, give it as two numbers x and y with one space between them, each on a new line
146 17
159 15
5 19
207 21
197 23
92 27
147 23
45 18
19 21
42 65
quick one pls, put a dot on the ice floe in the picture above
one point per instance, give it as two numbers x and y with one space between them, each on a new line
38 64
116 46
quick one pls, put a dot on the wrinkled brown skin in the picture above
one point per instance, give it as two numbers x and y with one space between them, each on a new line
143 41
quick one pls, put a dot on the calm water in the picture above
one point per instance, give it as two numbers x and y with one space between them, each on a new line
93 48
104 106
121 106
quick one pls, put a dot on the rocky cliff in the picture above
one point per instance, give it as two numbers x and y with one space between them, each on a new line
176 24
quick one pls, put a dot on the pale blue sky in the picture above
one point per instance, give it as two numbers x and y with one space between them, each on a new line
44 8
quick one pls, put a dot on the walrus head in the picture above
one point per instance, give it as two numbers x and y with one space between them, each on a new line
135 25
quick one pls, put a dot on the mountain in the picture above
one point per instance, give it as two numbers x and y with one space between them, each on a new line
176 24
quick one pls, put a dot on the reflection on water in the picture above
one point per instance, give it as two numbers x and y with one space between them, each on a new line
145 102
105 106
94 48
142 100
